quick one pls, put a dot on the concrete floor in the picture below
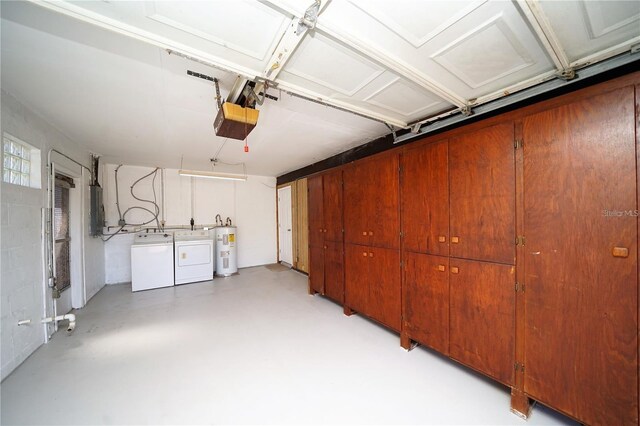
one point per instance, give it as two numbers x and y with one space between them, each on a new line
253 348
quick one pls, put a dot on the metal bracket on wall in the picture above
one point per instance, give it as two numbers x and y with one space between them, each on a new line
466 111
567 74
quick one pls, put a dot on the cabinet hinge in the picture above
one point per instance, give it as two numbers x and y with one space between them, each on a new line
401 263
520 240
518 143
519 287
401 234
518 367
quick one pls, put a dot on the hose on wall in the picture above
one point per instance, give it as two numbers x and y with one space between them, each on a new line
122 221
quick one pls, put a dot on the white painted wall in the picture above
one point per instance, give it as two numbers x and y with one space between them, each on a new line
21 245
250 205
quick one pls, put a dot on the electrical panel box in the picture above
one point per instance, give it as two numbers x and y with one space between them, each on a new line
96 220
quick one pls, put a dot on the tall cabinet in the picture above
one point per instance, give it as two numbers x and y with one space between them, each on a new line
372 239
509 245
458 226
580 258
326 251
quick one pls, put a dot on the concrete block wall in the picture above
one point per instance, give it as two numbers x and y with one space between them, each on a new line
22 285
21 293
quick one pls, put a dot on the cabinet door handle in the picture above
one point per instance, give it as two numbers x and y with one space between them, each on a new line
364 232
455 240
370 232
620 252
325 247
442 239
441 268
364 253
370 254
454 270
320 230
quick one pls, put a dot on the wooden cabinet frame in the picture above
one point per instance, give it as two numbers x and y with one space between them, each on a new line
520 401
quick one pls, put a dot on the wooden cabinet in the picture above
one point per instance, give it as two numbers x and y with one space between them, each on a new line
520 260
371 200
372 283
332 206
357 212
482 194
325 235
458 201
426 300
356 277
316 269
580 224
482 317
425 199
372 234
316 211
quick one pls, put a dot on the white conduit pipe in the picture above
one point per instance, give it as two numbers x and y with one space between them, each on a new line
70 317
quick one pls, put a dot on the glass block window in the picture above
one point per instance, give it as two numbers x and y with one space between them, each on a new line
19 162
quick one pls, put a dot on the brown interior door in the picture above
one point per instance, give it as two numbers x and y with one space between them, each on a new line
425 199
332 209
426 300
384 199
482 184
581 331
316 214
334 271
384 286
356 277
356 211
317 268
482 317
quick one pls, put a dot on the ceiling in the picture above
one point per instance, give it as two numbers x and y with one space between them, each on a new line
112 75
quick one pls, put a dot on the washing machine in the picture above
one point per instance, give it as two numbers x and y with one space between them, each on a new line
151 261
193 256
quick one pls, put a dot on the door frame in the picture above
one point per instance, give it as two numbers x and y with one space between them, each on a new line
291 209
77 224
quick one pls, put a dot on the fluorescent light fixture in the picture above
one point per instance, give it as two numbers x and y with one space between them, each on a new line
212 175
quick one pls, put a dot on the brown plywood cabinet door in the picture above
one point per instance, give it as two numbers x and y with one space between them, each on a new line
384 286
425 199
356 209
482 317
356 277
316 268
383 201
334 271
581 331
315 210
332 205
426 300
482 197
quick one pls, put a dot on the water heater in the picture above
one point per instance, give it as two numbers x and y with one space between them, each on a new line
226 251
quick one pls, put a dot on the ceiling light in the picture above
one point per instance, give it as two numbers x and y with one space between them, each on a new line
212 175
